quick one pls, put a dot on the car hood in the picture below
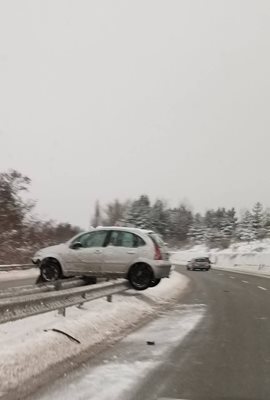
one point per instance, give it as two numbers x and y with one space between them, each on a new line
58 248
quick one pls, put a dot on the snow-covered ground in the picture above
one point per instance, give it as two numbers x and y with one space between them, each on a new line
249 257
19 275
126 365
30 347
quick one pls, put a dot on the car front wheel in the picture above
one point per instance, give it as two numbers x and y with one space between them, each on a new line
50 271
140 276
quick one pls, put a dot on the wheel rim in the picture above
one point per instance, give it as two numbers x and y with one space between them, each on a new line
50 273
141 276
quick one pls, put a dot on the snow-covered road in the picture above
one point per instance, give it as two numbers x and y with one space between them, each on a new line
118 371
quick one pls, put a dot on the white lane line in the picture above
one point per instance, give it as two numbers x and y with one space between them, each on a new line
245 281
220 274
262 288
232 277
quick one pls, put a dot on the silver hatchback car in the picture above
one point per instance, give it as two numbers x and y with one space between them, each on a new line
135 254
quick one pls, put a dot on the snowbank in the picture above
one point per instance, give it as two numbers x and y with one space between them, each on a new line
30 347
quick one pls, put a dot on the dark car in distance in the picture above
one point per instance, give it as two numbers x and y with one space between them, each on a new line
202 263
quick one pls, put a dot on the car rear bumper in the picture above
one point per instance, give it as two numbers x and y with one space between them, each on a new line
162 269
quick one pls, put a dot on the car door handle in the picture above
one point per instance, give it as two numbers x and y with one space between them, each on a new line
131 252
98 251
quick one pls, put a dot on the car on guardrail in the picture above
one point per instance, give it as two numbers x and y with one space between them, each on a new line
111 252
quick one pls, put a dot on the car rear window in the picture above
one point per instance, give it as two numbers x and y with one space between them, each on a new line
202 259
156 239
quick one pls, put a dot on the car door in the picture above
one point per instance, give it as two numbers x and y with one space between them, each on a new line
120 252
87 255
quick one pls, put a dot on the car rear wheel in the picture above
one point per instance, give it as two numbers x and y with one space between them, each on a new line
140 276
50 271
154 282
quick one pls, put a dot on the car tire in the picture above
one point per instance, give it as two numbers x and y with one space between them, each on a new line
154 282
140 276
50 271
39 280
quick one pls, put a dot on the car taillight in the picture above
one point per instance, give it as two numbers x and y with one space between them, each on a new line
158 255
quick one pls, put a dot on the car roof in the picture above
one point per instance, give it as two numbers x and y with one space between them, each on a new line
124 228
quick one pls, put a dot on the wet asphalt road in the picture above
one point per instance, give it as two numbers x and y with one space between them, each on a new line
227 356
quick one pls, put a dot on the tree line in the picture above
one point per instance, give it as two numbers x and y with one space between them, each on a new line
181 226
21 232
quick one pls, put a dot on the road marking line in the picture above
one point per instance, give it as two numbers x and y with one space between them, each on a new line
245 281
262 288
221 274
232 277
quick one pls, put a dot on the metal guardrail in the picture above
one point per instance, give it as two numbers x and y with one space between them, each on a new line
12 309
12 267
41 288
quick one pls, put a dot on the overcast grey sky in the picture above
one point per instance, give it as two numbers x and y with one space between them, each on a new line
110 99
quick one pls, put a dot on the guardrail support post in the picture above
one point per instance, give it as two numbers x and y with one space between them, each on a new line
58 285
109 298
81 304
62 311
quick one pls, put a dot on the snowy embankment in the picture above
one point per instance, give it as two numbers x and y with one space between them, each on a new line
31 348
19 275
252 258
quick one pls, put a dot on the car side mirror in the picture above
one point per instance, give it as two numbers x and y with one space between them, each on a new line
76 245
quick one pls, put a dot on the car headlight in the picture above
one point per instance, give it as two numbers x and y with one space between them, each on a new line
37 256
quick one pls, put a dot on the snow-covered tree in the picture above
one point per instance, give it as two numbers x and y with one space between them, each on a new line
266 222
159 218
258 221
229 223
245 230
180 221
97 218
138 213
115 212
197 230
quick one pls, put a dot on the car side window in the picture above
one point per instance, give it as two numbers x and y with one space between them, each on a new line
139 241
125 239
93 239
